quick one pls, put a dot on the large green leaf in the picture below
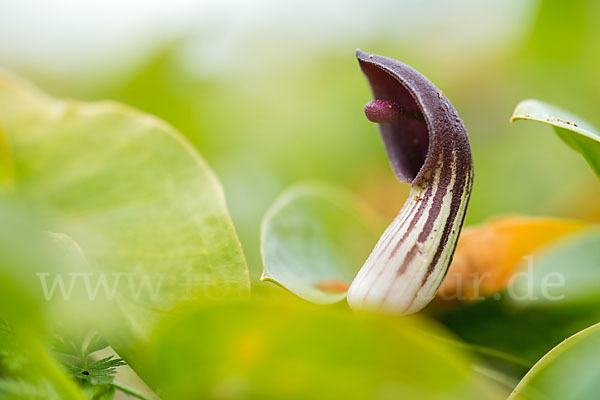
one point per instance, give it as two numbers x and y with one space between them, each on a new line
128 189
315 238
573 130
569 371
297 350
147 213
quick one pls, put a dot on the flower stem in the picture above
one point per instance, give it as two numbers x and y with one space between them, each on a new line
129 391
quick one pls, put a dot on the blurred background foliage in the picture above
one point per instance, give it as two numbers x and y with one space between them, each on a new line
270 93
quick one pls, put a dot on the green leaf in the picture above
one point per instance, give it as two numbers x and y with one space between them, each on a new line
569 371
94 344
297 350
75 353
566 274
79 342
573 130
100 372
134 196
147 202
315 238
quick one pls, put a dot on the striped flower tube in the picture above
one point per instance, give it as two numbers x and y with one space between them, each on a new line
428 147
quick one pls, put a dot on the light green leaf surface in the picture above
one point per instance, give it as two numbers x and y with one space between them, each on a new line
566 274
315 238
569 371
128 189
580 135
297 350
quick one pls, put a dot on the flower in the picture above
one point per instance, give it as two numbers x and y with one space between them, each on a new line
428 147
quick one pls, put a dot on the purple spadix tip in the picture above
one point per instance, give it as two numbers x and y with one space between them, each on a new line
382 111
387 112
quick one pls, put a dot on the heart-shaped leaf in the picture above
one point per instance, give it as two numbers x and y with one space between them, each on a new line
569 371
580 135
147 212
129 189
315 239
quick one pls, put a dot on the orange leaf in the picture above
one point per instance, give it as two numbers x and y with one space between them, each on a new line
486 255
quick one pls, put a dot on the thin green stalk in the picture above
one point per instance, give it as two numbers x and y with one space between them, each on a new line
498 377
485 350
129 391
